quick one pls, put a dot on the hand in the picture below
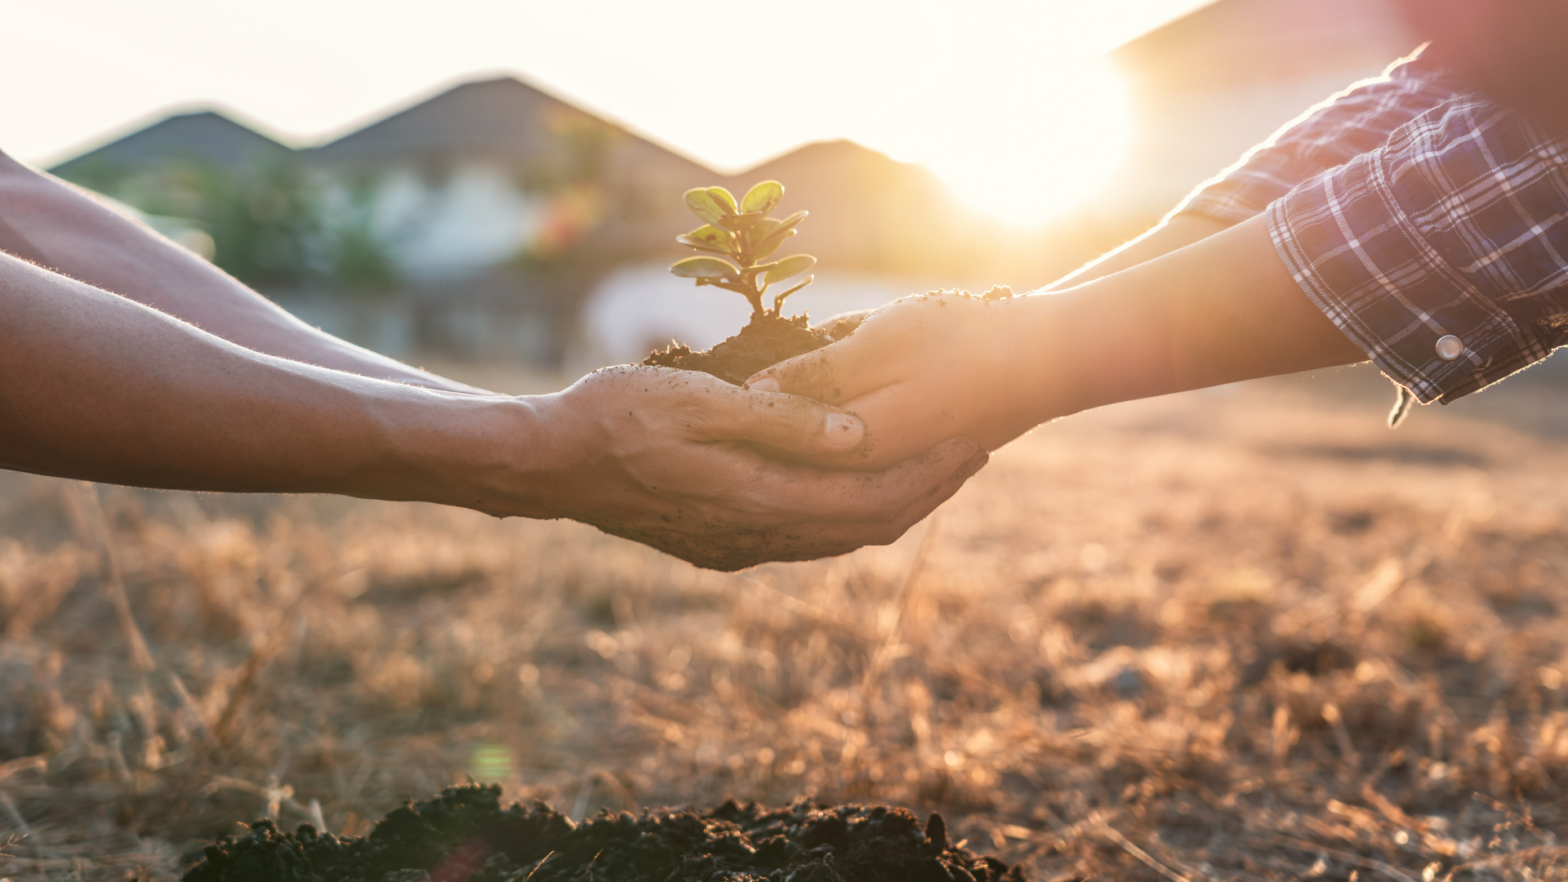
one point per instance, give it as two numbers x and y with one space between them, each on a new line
919 370
666 457
1219 310
842 325
677 460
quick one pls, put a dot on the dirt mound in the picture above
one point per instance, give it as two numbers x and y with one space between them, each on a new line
464 835
769 339
765 341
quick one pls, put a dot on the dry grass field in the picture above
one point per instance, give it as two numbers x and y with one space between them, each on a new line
1243 634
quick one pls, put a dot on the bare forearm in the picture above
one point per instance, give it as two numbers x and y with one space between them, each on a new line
101 388
46 221
1218 311
1170 235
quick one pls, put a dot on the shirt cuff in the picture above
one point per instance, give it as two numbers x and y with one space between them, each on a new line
1362 261
1330 133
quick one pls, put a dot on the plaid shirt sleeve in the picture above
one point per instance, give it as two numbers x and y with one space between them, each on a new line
1344 126
1443 253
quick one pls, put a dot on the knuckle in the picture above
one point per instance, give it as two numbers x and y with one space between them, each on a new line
740 505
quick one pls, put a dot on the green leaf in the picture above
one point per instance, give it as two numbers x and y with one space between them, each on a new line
704 205
740 221
779 232
793 265
764 197
710 238
770 245
724 198
703 268
790 222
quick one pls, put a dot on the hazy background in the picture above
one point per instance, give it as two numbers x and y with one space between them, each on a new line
1244 633
913 80
501 181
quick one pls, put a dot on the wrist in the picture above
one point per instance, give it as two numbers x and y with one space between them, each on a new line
468 451
1096 345
1052 373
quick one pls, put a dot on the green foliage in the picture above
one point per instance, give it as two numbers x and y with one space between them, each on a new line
262 223
703 268
764 197
724 199
744 234
704 205
353 251
789 266
709 238
269 224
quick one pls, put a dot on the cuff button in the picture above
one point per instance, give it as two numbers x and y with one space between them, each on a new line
1450 347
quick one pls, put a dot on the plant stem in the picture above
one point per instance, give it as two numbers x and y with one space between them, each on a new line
747 261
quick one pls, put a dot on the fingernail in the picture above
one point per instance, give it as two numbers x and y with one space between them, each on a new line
843 430
766 384
973 465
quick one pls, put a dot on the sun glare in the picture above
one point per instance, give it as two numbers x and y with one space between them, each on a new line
1030 150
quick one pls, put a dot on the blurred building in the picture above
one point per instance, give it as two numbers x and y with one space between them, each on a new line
473 177
499 205
480 221
472 221
495 220
203 136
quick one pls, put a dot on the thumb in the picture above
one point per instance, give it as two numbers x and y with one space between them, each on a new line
786 423
837 372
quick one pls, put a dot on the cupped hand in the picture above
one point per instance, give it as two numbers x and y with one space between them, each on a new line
919 370
689 464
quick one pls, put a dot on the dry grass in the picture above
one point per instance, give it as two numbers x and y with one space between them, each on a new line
1241 635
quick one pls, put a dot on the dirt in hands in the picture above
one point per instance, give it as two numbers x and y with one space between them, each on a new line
464 834
770 338
765 341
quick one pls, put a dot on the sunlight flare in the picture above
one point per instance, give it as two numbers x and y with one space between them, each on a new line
1031 149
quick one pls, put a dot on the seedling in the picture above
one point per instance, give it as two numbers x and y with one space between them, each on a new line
742 235
736 244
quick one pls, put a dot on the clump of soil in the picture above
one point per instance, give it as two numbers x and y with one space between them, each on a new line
765 341
464 835
769 339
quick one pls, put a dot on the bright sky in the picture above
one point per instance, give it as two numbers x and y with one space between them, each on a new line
1003 99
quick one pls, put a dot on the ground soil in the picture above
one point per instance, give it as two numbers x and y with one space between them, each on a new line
465 834
1110 656
765 341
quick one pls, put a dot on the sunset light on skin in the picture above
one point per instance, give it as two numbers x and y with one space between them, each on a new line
1008 102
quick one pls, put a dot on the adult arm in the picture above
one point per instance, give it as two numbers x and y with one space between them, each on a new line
1334 131
102 388
1221 310
51 223
1173 233
1439 256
